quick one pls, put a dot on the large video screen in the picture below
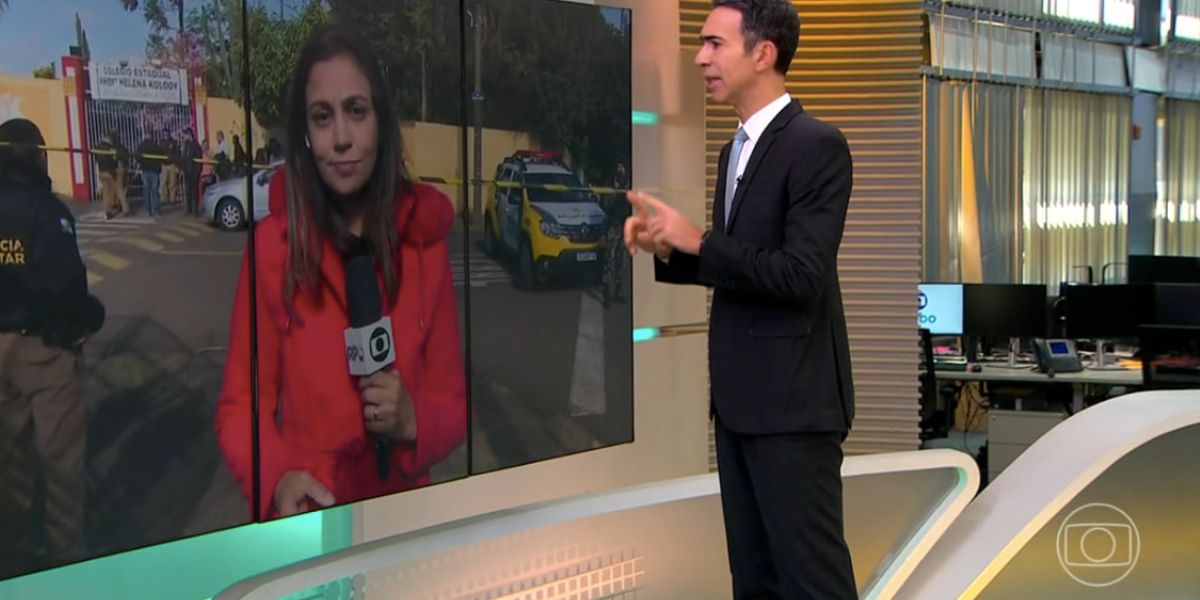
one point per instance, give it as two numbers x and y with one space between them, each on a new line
118 279
261 258
350 242
551 349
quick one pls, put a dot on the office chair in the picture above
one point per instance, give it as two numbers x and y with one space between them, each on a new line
930 426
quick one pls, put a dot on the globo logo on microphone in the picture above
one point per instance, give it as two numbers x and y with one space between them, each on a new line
370 348
380 344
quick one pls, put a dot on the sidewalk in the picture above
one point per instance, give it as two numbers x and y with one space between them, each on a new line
92 212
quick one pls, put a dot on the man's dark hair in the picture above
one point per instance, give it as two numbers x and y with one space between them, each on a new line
772 21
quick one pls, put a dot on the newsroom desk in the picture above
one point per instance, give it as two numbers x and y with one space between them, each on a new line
1122 376
1010 432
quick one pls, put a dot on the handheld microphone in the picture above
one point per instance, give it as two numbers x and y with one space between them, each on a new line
369 347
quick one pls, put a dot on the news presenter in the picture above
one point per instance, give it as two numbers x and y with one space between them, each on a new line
345 187
779 361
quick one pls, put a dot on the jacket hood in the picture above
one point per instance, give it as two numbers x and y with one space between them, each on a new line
423 215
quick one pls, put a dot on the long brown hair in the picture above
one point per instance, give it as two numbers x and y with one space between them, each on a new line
313 212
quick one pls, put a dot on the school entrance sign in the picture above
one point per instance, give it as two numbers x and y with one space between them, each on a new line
138 83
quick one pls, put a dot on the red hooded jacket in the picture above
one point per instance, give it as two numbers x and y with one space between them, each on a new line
310 412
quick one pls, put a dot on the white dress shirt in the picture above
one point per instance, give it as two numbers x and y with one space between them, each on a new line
754 128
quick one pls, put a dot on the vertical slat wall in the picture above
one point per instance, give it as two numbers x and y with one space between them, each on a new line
859 68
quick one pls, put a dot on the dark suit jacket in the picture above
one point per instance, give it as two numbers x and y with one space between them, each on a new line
779 356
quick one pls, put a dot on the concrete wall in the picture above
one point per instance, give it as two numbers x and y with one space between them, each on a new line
434 150
42 101
225 114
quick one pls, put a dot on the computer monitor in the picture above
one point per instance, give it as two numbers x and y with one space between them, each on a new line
1163 269
1010 310
1109 311
1177 304
940 308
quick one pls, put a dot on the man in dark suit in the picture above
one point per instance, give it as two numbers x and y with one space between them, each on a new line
779 358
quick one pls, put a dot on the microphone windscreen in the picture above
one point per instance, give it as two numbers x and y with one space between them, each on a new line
362 291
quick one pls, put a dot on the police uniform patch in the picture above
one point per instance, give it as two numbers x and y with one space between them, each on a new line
66 226
12 252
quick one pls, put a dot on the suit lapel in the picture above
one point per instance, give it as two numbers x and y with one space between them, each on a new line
761 148
718 219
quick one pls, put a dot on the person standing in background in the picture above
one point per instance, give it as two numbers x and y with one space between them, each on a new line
208 174
190 156
782 395
150 157
223 158
616 209
169 184
274 150
122 173
222 147
45 315
260 159
106 165
239 157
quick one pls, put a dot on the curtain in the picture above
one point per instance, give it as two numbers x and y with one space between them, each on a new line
972 182
1029 8
1176 217
1076 184
1116 12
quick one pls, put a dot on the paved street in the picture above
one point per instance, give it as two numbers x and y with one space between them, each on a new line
551 373
551 370
152 375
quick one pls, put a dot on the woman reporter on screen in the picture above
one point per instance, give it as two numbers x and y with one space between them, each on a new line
344 189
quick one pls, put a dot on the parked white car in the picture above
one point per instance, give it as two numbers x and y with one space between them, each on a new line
225 201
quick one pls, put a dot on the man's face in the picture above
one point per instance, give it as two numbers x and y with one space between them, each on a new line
727 67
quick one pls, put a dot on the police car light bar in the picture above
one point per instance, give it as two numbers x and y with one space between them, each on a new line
544 155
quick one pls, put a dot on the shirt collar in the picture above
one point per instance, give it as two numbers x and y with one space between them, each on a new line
757 123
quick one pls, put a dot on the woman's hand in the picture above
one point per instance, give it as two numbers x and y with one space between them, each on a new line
294 490
387 407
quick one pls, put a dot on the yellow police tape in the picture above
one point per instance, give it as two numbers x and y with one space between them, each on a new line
550 187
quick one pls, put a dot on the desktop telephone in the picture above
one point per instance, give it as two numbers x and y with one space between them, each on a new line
1056 355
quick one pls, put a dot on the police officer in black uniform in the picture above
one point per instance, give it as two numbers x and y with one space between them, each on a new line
616 210
45 314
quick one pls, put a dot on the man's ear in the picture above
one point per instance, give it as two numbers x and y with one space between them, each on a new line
765 54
